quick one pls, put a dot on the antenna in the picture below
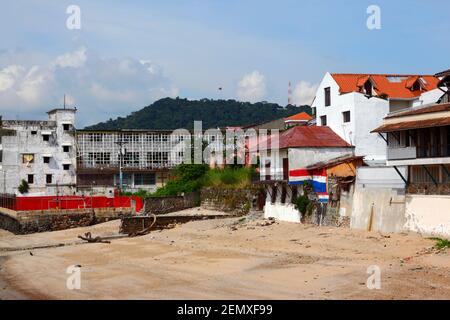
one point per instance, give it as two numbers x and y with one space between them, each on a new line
289 93
64 101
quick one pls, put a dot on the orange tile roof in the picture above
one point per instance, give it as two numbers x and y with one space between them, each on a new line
392 85
302 116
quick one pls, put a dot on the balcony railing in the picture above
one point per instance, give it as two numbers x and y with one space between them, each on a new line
402 153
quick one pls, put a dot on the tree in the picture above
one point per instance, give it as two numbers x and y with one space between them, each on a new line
23 187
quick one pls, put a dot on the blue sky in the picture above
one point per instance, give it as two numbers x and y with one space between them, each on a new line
129 53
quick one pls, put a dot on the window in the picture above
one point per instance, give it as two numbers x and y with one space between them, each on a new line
66 127
28 158
46 137
145 179
99 158
327 97
30 178
368 88
66 167
33 133
46 159
323 120
346 116
48 178
157 159
66 148
416 86
131 159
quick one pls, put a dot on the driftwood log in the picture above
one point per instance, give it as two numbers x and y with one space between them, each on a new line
88 237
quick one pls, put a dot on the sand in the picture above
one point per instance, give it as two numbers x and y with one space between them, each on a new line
225 259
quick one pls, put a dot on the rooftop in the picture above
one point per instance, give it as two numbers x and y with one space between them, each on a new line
309 137
393 86
302 116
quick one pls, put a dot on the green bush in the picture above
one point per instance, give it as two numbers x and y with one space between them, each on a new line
302 203
441 243
23 187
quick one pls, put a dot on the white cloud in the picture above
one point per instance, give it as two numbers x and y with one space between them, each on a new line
102 88
304 93
74 59
252 87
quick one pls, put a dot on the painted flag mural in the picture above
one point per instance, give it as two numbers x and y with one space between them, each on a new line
318 179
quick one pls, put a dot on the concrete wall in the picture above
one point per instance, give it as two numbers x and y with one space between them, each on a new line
281 211
378 209
428 214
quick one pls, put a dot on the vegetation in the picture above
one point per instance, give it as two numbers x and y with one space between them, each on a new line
192 177
302 203
23 187
441 243
170 114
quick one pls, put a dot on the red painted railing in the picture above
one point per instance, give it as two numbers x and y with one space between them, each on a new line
75 202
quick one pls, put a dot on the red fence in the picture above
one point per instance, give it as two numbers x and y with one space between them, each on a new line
75 202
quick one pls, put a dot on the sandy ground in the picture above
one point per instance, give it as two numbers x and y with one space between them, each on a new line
224 259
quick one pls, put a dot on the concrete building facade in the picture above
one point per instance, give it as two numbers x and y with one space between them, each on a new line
40 152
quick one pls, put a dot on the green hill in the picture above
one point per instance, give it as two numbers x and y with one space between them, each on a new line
170 114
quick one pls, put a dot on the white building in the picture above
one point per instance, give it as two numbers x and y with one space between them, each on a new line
418 139
40 152
353 104
282 166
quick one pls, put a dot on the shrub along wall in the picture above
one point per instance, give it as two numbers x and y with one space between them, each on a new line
237 201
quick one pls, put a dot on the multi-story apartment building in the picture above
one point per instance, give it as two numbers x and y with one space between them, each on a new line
40 152
143 157
353 104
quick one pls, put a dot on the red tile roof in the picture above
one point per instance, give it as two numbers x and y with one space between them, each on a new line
391 85
302 116
308 137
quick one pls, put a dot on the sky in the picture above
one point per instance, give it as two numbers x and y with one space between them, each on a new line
127 54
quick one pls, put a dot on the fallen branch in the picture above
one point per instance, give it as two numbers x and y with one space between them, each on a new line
88 237
145 230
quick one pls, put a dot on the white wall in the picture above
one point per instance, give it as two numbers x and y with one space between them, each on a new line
428 214
428 97
300 158
280 211
365 115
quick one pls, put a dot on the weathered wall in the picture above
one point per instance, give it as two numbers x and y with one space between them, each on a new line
428 214
281 211
385 205
162 205
24 222
237 201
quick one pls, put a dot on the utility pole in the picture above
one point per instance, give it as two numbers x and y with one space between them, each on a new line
120 143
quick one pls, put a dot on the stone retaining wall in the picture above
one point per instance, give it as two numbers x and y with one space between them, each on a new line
163 205
236 201
25 222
